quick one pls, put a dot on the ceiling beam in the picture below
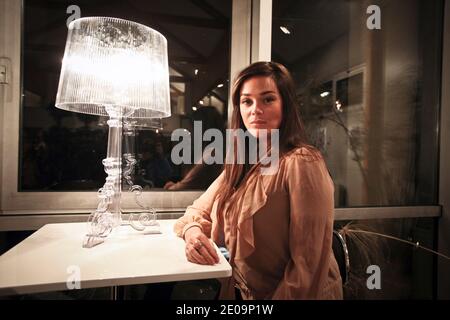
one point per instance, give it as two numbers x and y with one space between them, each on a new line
57 4
156 18
178 79
188 21
183 20
209 9
218 96
172 87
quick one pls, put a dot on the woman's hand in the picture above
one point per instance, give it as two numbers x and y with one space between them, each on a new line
168 185
199 249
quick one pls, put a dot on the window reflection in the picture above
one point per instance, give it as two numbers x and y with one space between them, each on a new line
369 98
62 151
406 271
200 175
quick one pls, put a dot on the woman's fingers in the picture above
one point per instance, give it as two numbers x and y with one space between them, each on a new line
198 257
201 250
207 250
212 251
194 256
205 254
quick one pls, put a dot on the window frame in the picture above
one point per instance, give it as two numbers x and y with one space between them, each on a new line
359 69
443 237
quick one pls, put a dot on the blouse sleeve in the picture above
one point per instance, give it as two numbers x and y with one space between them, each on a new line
311 199
198 214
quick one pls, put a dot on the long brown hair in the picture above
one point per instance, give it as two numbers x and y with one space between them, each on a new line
291 132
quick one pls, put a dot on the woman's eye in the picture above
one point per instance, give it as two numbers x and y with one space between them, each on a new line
246 102
269 99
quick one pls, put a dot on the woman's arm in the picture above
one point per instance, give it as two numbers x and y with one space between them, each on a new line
198 214
311 202
195 227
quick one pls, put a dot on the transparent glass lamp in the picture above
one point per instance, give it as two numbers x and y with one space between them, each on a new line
116 68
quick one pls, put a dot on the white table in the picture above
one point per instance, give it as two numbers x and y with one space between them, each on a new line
52 256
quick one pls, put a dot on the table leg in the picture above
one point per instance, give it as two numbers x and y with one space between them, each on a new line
117 293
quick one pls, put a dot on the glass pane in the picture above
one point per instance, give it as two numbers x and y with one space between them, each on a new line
397 248
62 151
369 97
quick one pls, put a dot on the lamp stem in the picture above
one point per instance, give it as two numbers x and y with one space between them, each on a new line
113 163
108 214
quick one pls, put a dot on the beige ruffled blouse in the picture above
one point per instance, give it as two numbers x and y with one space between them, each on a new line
278 230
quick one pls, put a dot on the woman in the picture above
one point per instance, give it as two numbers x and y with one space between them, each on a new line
277 228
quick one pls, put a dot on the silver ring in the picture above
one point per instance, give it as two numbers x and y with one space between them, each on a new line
198 244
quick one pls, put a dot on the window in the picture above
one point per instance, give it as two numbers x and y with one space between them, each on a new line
369 98
62 151
199 39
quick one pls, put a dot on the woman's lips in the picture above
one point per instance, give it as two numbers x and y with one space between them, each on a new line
258 122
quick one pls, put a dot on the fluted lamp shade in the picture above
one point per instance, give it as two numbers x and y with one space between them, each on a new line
114 62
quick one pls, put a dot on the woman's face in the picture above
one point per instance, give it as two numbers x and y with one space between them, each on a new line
260 104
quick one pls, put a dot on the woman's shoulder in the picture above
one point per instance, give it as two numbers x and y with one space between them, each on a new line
306 162
305 153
